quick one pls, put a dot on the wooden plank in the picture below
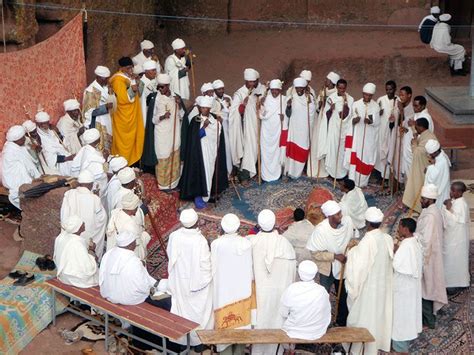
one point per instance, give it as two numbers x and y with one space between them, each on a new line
278 336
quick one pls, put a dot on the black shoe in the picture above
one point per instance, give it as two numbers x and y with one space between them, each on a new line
41 263
49 263
459 72
24 280
16 274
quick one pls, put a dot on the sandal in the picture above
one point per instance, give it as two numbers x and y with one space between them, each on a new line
41 263
16 274
24 280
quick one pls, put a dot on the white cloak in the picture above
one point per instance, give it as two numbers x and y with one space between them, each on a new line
209 150
441 42
236 137
104 120
354 205
388 108
69 129
173 65
149 87
113 186
426 115
298 234
140 58
225 112
91 159
438 174
51 148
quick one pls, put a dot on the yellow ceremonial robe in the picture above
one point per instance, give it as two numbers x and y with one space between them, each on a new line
127 121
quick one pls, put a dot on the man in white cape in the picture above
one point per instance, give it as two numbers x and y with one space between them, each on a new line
177 67
70 126
369 284
232 273
128 181
190 275
353 203
147 53
148 80
74 265
438 172
225 102
298 234
274 265
115 165
33 145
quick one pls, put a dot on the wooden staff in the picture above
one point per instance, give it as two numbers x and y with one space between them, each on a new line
235 188
27 114
412 208
216 170
339 141
399 157
191 55
259 158
308 99
281 126
323 106
363 138
172 147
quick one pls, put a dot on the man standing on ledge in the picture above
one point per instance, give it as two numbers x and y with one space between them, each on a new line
177 67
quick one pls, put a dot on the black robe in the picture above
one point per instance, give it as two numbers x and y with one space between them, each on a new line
149 155
193 179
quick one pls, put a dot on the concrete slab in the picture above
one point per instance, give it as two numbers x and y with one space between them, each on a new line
456 100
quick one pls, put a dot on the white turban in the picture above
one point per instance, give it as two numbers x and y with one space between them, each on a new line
330 208
41 117
429 191
333 77
15 133
72 224
369 88
230 223
217 84
91 135
205 101
276 84
117 163
125 238
306 75
300 83
188 218
250 74
71 105
85 177
445 17
435 10
29 126
206 87
126 175
102 71
178 43
266 220
163 79
257 74
130 201
146 44
307 270
149 65
374 215
432 146
137 69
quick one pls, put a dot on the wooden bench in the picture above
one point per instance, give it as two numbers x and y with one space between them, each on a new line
453 147
144 316
277 336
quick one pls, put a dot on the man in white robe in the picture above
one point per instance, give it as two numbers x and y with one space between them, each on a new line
128 181
17 165
364 137
75 266
407 273
274 265
456 238
190 275
148 81
147 53
353 203
300 109
123 278
272 115
232 273
115 165
225 102
419 106
438 172
177 67
306 75
70 126
369 281
430 233
305 305
84 203
298 234
328 246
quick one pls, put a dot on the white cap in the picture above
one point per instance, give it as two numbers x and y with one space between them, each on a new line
369 88
146 44
149 65
334 77
435 10
102 71
330 208
91 135
178 43
71 105
432 146
374 215
300 83
130 201
125 238
230 223
163 79
217 84
306 75
117 163
204 101
307 270
276 84
29 126
266 220
250 74
188 217
445 17
429 191
42 117
15 133
126 175
206 87
137 69
85 177
72 224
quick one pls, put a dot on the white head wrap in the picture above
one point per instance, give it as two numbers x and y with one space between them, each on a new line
29 126
333 77
374 215
137 69
435 10
163 79
330 208
266 220
306 75
257 74
206 87
276 84
91 135
250 74
130 201
15 133
205 101
72 224
41 117
125 238
188 217
178 43
369 88
217 84
432 146
117 163
429 191
230 223
126 175
85 177
71 105
149 65
102 71
307 270
300 83
445 17
146 44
